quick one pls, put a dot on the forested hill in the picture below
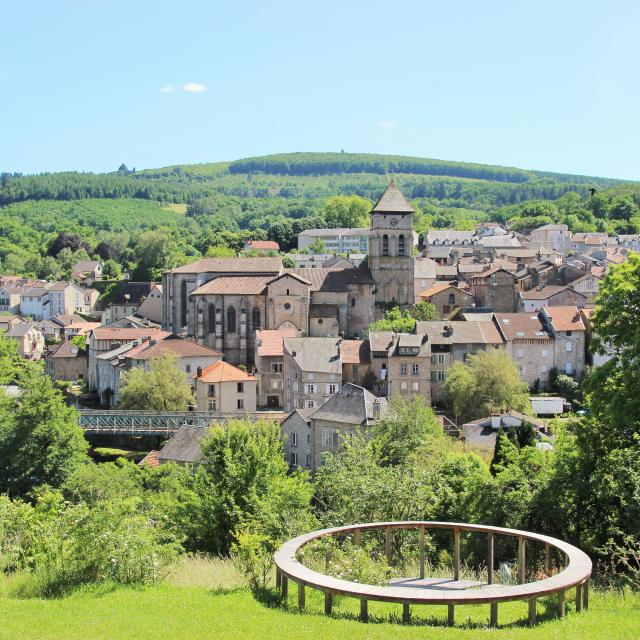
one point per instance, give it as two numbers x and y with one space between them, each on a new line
146 221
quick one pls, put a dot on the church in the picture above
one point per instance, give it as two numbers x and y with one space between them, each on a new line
221 302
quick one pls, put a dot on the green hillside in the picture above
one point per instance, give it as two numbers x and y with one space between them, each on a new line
215 207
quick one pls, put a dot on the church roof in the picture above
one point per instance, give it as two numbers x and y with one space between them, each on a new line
392 201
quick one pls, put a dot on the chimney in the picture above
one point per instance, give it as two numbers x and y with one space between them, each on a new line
199 372
375 414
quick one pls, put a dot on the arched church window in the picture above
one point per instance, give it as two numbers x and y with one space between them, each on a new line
212 318
231 320
255 319
385 245
353 302
183 304
401 244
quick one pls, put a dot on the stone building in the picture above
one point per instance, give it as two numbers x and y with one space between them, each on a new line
566 326
65 361
350 410
530 345
447 298
496 289
552 236
29 338
225 389
550 296
269 365
391 248
312 371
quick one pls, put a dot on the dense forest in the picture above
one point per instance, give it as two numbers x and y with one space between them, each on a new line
184 211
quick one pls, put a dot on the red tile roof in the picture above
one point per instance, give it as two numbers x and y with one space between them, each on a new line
354 352
520 326
269 342
265 245
224 372
564 318
151 459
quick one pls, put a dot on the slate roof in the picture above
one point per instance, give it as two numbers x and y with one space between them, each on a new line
232 265
223 372
130 293
351 405
269 342
380 340
542 294
184 446
84 266
234 285
424 268
462 332
450 235
65 319
392 201
66 349
20 330
315 354
335 280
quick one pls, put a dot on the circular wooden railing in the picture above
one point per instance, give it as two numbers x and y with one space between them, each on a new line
576 571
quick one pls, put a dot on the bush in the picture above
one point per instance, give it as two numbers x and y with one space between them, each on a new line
253 553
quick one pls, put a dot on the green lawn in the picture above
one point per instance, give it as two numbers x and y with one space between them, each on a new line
195 613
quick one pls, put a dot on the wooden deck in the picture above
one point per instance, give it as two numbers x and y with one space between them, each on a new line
443 591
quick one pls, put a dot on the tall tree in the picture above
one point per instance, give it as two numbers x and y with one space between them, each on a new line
346 211
163 388
155 251
488 382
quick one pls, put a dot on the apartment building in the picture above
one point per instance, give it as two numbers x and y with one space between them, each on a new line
225 389
337 240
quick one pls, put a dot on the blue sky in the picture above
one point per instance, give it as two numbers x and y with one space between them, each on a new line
89 84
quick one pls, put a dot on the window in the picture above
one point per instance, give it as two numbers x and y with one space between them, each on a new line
415 369
287 306
520 353
543 368
295 387
213 405
240 403
310 404
403 386
403 369
354 370
325 438
255 319
211 391
438 376
569 333
187 368
276 367
520 370
401 245
288 292
240 387
568 368
452 298
545 353
294 459
332 388
385 245
294 439
569 346
308 460
416 386
212 318
353 302
183 303
231 320
275 384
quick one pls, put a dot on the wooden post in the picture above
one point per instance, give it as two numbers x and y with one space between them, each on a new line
493 616
388 545
547 558
451 618
357 537
328 603
421 543
561 607
364 613
456 554
532 612
522 559
585 594
490 558
300 595
285 587
278 578
406 613
578 597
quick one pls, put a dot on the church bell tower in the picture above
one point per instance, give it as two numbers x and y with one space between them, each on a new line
391 248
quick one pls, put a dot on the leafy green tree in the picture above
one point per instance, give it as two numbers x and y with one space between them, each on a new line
487 383
111 270
41 442
245 485
425 311
155 251
317 246
163 388
395 320
409 427
288 262
346 211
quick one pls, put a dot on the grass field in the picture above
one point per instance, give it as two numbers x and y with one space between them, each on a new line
194 613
